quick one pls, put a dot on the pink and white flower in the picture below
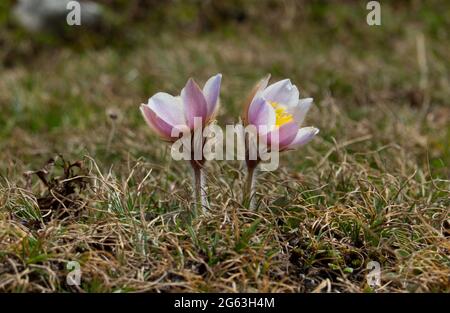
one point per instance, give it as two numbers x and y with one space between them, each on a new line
278 108
171 117
277 113
164 112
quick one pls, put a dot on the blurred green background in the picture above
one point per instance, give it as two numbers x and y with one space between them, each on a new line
58 86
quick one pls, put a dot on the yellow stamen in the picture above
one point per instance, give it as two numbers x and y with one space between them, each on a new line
282 117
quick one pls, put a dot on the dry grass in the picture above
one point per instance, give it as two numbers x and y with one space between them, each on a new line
374 186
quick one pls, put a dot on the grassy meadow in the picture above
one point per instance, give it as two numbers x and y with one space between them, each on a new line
83 178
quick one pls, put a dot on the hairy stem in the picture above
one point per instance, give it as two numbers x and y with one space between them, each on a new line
200 199
249 191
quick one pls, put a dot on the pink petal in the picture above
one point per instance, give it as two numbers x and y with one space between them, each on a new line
157 124
211 91
261 113
194 103
304 135
254 94
286 134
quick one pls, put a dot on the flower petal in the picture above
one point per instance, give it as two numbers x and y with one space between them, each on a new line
211 92
282 92
194 103
304 135
157 124
255 93
286 134
261 113
168 108
299 111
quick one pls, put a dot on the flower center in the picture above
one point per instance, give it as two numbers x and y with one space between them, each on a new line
282 117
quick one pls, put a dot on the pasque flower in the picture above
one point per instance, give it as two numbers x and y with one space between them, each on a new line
169 116
277 112
164 112
277 108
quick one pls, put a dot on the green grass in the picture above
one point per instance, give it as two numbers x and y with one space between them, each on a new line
373 186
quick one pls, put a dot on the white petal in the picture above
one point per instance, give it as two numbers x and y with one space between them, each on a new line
282 92
304 135
299 111
168 108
